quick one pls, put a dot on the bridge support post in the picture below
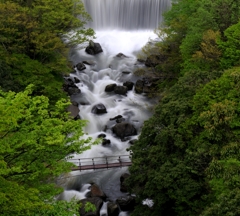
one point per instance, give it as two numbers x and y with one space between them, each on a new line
93 163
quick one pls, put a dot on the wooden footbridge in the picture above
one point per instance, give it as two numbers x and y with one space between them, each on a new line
101 162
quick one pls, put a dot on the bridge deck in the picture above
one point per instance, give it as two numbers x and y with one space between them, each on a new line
102 166
101 162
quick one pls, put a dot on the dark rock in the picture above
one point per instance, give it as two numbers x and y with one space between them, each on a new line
80 66
126 72
110 87
106 142
112 209
70 87
124 129
98 202
132 141
74 111
99 109
74 103
120 120
141 60
95 191
76 80
116 117
126 203
102 135
123 178
128 84
122 90
73 90
121 55
93 48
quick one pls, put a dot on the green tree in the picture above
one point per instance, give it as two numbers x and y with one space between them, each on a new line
35 139
34 42
230 46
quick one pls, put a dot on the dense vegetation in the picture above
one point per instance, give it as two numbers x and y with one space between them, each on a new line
36 132
187 159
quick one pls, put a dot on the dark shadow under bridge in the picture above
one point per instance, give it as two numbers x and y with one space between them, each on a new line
101 162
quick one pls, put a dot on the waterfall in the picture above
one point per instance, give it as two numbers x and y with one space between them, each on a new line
122 26
126 14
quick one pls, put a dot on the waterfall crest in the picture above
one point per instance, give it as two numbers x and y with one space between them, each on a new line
126 14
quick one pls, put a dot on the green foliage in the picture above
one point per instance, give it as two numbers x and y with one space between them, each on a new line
164 169
34 41
230 46
187 158
35 140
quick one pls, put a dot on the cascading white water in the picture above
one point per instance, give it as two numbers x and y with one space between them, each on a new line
122 26
126 14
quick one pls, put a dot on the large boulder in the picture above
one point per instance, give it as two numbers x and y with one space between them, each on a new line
106 142
95 191
96 201
80 66
122 90
124 129
123 178
129 85
121 55
74 111
70 87
99 109
113 209
93 48
126 203
116 117
110 87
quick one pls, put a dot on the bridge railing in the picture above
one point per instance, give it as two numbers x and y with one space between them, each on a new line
101 162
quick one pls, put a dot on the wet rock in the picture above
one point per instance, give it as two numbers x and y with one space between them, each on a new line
132 141
123 178
70 87
139 86
124 129
93 48
112 209
76 80
119 120
99 109
80 66
141 60
106 142
126 72
116 117
95 191
98 202
74 103
102 135
110 87
74 111
121 55
73 90
122 90
126 203
129 85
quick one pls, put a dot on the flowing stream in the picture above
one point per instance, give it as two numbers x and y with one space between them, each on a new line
121 26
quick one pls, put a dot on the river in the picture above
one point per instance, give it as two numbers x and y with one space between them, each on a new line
121 26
